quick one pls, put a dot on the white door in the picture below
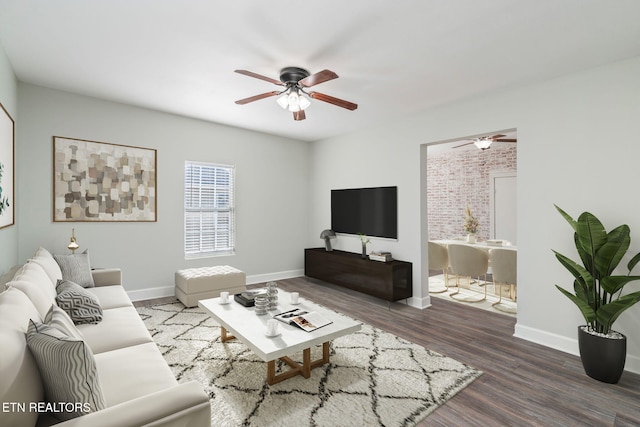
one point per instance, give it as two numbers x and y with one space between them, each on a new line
503 207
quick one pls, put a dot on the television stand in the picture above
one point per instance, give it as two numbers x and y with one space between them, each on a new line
391 281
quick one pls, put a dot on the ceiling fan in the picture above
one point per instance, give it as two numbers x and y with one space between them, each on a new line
484 142
294 96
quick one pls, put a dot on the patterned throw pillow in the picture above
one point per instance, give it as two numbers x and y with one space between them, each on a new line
59 319
78 303
68 371
76 268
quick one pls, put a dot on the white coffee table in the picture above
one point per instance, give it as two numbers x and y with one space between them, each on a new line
242 323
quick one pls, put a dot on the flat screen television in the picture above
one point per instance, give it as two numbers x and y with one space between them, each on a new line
370 211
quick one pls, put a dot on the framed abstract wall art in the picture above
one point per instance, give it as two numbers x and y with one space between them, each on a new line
99 181
7 174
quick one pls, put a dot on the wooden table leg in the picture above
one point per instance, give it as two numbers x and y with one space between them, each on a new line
303 369
224 336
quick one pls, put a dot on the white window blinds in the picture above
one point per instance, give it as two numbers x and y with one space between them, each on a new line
208 210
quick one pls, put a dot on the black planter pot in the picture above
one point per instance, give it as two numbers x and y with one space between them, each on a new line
603 358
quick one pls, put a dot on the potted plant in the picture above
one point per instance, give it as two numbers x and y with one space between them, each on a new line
470 225
598 293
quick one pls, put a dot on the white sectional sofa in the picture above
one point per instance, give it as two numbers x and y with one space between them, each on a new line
137 385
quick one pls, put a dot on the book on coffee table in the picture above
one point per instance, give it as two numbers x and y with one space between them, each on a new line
247 298
305 320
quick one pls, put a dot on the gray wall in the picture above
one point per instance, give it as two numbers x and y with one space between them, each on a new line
271 184
9 99
577 147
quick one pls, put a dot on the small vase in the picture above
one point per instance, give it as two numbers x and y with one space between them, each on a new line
471 238
364 251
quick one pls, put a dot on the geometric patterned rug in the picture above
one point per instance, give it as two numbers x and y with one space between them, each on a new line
374 378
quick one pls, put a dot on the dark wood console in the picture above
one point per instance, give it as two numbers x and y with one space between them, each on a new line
390 281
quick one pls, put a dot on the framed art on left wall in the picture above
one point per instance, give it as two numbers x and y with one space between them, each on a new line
103 182
7 174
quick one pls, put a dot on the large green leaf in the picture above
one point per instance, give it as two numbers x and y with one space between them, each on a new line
566 216
579 272
608 313
587 312
591 233
610 254
632 263
614 284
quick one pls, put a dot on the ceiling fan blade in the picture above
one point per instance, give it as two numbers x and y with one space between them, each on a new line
317 78
335 101
260 76
506 140
462 145
257 97
299 115
497 136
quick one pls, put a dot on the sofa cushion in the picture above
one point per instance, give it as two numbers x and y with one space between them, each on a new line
44 259
33 272
19 375
8 276
131 372
39 297
76 268
68 371
120 327
80 304
111 296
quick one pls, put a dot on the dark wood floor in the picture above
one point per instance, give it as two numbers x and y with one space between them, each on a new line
524 384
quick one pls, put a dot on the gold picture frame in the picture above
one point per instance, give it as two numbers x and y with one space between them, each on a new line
103 182
7 168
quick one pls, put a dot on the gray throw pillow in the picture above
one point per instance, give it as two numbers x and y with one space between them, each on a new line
76 268
59 319
68 371
78 303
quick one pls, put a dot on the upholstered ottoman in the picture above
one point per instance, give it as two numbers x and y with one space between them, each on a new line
194 284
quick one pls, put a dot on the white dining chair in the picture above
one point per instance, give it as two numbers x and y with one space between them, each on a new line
468 261
504 269
439 260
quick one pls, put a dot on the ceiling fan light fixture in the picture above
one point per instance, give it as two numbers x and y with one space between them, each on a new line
483 143
293 100
283 100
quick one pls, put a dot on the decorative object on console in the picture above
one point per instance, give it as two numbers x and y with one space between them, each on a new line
598 293
98 181
364 240
327 235
7 208
381 256
73 243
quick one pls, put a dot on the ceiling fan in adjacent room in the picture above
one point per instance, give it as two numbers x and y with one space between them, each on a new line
294 97
484 142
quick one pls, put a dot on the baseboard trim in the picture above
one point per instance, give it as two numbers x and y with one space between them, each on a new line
567 345
169 291
281 275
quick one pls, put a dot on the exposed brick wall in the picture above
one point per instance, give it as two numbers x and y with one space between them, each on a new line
457 178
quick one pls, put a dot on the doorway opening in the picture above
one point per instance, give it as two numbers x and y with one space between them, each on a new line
456 175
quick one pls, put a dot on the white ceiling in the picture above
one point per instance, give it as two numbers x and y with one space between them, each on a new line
394 58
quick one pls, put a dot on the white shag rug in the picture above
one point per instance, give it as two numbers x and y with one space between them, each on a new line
374 378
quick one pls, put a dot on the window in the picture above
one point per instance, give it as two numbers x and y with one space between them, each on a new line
208 210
